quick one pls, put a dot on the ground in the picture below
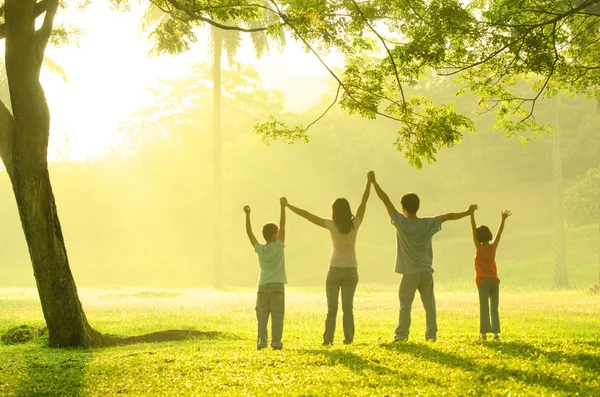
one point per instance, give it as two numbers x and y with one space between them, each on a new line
550 346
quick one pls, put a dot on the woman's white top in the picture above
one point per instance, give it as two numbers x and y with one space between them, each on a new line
343 246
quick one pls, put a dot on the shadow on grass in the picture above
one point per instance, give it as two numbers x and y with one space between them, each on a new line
55 372
588 362
486 371
360 365
171 335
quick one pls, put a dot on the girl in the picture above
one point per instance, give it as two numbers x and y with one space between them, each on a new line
342 274
486 276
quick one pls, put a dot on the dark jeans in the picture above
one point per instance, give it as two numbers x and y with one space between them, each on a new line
408 287
344 279
489 295
270 300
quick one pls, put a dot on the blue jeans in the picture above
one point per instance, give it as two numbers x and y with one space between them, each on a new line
408 287
344 279
489 295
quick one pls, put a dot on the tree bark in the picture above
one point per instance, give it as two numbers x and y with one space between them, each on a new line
217 244
561 277
27 166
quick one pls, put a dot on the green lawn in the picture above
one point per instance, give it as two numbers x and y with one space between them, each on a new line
550 346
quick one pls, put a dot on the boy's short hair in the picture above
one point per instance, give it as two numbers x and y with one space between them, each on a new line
410 202
483 234
269 230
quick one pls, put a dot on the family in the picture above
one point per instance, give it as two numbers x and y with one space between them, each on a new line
414 259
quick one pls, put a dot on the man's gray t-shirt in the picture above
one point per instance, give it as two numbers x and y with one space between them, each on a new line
272 262
414 252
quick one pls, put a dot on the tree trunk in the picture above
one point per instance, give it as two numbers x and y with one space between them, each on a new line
27 167
217 244
561 277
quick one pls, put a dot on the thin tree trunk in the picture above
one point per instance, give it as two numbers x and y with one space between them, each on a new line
27 166
217 244
561 277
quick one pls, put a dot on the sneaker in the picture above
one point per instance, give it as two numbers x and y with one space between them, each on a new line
260 347
482 336
396 339
431 338
496 337
327 344
347 342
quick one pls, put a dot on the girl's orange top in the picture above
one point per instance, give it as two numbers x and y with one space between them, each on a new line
485 263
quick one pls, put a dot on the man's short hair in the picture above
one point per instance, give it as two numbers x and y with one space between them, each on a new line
410 202
483 234
269 230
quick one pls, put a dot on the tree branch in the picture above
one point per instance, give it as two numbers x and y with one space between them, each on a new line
326 110
43 34
194 16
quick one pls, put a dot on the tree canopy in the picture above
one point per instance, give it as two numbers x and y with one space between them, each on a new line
507 53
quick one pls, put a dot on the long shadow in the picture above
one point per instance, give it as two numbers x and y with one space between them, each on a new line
359 365
586 361
483 372
171 335
54 372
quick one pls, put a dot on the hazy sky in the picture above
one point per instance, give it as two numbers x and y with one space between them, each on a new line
110 71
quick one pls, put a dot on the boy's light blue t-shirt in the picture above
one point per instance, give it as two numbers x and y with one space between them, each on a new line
414 252
272 262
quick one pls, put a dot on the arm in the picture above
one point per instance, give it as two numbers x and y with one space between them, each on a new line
381 194
360 213
505 214
454 216
474 229
253 239
307 215
283 202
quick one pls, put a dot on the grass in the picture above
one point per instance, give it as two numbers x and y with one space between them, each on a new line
550 346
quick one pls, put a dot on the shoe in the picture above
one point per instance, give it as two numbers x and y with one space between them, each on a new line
496 337
327 344
400 340
277 347
482 336
260 347
347 342
431 339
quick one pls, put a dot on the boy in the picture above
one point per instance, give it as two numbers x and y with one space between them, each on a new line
414 257
270 298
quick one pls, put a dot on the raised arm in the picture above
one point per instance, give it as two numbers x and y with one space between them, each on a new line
283 203
253 239
505 214
381 194
454 216
360 213
474 229
307 215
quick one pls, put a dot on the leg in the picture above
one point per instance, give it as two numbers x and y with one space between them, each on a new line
428 299
332 289
494 303
277 311
406 294
484 307
262 315
349 283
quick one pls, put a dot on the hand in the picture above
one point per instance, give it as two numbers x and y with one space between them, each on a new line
505 214
371 176
247 209
283 201
472 209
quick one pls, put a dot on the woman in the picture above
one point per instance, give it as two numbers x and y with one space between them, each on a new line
342 274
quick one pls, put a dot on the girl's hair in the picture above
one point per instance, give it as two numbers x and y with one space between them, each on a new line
483 234
342 215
